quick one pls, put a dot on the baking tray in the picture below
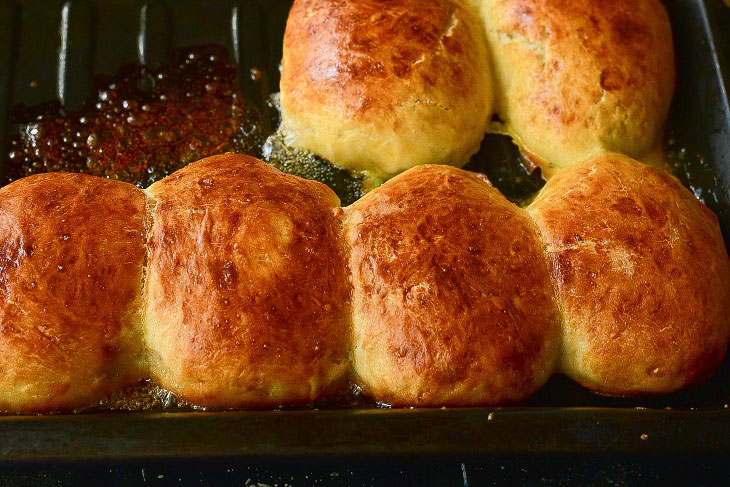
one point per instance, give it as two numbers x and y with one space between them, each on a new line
52 49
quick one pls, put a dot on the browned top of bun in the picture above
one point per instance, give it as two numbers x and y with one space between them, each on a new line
247 291
452 298
642 276
372 41
71 256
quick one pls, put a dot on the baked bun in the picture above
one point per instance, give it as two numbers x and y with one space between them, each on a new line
452 298
578 77
385 86
642 277
246 287
71 258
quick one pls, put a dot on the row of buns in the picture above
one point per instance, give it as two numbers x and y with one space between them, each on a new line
385 86
235 285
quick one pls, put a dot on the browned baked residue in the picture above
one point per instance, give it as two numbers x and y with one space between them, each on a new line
141 124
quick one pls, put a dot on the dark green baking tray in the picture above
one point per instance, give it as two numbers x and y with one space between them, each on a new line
52 49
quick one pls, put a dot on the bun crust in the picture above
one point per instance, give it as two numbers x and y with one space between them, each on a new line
642 277
385 86
452 298
246 289
577 77
71 258
259 290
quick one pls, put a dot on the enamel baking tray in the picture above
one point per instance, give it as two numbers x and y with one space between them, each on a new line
52 49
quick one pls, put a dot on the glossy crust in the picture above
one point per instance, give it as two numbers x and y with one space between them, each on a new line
71 258
384 86
577 77
246 288
642 276
452 299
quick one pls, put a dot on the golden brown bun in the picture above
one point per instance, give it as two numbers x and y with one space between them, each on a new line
385 86
246 288
71 257
452 299
577 77
642 277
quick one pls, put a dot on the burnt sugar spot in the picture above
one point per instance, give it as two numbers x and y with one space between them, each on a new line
612 79
626 30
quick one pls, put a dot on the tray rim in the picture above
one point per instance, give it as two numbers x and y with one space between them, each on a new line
311 434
